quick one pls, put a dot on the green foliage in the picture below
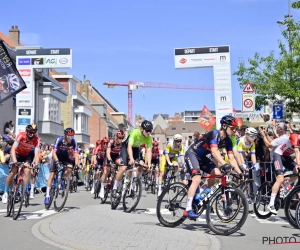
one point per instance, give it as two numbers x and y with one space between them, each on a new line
276 79
296 5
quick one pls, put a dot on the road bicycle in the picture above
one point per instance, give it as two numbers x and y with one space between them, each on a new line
219 204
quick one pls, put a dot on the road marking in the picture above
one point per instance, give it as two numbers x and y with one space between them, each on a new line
271 220
35 215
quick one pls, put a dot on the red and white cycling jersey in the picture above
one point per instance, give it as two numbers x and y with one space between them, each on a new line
24 146
287 147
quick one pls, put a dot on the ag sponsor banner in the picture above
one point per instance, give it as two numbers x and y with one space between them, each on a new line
239 120
206 120
11 82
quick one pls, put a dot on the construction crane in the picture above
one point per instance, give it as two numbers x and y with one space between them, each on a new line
134 85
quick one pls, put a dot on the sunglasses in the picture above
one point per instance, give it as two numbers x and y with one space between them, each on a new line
32 132
178 141
253 136
232 128
69 136
148 130
105 143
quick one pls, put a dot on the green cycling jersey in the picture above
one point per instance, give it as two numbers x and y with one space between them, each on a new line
136 139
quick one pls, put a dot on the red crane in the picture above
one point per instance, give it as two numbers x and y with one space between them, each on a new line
133 85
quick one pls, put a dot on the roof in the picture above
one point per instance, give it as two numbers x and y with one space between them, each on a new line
8 41
165 116
105 100
189 127
158 130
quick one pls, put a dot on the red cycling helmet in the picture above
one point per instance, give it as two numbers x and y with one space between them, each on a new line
69 132
98 142
104 139
120 134
155 143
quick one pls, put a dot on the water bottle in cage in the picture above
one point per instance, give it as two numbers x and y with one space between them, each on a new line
169 174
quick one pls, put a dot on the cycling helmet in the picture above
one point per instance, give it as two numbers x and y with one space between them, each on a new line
251 131
98 142
155 143
120 134
14 83
146 125
229 121
69 132
296 130
31 127
91 146
177 137
104 139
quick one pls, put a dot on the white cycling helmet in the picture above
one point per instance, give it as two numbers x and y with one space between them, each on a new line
14 83
177 137
251 131
91 146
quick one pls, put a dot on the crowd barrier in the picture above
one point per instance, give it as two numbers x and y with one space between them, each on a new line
41 180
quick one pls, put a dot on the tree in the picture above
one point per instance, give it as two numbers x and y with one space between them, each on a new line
276 80
296 5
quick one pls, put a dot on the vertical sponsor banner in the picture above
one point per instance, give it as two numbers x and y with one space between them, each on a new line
11 82
25 101
206 120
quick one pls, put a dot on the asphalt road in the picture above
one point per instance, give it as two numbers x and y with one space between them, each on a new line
23 232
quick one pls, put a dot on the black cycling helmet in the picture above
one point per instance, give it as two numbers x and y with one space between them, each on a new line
69 131
229 121
146 125
31 127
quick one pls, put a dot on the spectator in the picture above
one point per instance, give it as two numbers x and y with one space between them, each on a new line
9 128
2 158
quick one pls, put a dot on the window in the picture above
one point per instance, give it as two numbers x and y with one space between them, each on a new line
84 123
73 90
157 139
54 107
173 128
183 128
76 122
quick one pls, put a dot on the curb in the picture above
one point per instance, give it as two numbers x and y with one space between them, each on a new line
42 230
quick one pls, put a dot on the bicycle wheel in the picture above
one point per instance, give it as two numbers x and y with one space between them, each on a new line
133 191
10 200
97 189
291 202
262 200
75 184
18 199
52 193
106 190
172 205
26 198
234 197
297 213
62 191
115 201
146 181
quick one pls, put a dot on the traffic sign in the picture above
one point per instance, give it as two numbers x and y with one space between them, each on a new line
278 111
248 88
248 103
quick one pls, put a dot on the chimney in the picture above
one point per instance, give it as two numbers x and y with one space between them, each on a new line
14 35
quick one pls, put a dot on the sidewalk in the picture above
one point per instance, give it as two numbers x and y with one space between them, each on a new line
98 227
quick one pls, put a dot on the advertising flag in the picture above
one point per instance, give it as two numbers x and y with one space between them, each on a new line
11 83
239 120
206 120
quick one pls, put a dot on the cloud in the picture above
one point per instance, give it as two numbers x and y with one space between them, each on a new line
30 39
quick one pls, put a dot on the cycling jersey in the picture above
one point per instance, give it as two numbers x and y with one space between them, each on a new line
211 139
243 147
155 154
24 146
100 152
114 147
172 150
88 156
287 147
136 139
64 148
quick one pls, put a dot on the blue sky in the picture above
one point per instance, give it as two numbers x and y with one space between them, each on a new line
135 40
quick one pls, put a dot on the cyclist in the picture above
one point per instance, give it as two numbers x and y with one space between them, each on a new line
113 156
65 152
130 150
170 156
282 160
87 163
245 144
202 147
25 149
155 158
